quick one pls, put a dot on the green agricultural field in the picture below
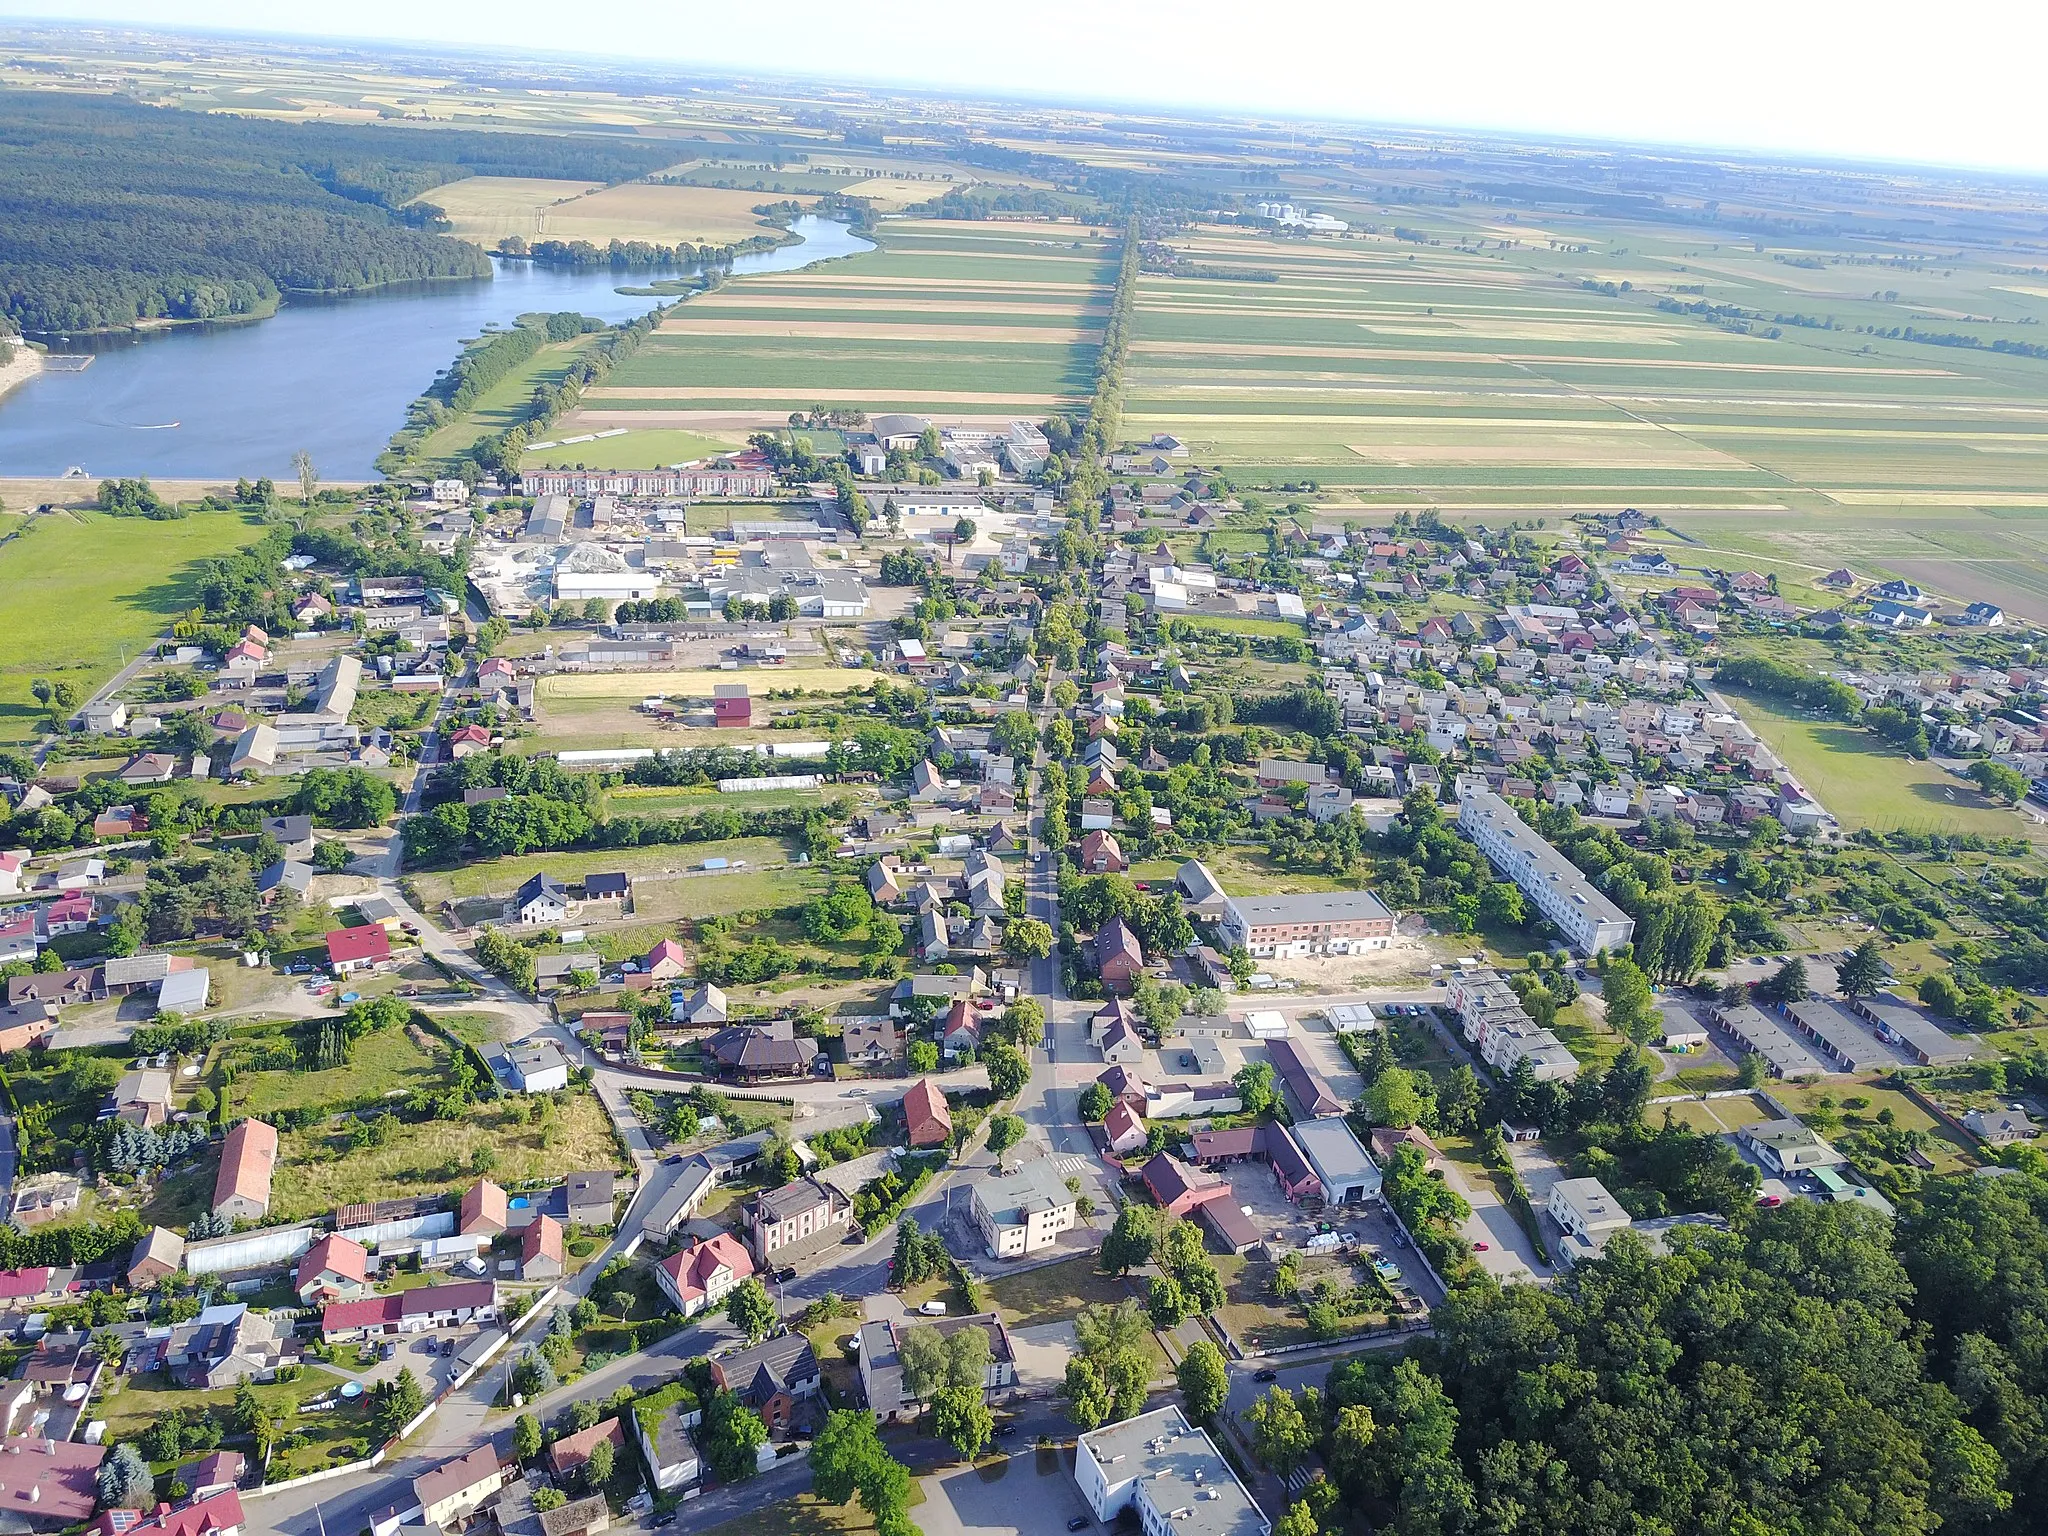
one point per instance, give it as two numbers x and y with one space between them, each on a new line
1866 784
319 1169
944 319
1490 376
80 590
389 1061
328 1438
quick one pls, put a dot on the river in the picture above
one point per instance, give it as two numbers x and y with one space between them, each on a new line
330 375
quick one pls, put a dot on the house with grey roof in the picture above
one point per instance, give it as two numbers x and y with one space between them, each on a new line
1023 1211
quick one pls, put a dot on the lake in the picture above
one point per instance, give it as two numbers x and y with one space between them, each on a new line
330 375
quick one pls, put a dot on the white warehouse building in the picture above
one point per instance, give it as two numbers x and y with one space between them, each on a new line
1578 909
590 570
1169 1473
613 586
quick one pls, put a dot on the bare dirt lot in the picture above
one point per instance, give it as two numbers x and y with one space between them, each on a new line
1404 960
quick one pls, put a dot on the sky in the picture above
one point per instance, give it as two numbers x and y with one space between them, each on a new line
1950 84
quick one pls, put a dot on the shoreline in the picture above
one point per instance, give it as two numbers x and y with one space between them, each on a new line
26 364
165 325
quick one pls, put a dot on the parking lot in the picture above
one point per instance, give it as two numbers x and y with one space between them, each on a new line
421 1352
1030 1494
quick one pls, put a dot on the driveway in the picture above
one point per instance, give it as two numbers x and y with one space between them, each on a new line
1539 1170
1508 1254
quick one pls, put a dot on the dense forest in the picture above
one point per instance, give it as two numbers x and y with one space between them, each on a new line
112 212
1818 1371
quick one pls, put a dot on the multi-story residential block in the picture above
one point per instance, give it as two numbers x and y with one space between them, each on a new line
1495 1021
1582 913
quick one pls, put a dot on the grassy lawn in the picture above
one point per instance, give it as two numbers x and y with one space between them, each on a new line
641 685
501 877
1252 1313
81 590
60 1093
318 1169
1701 1079
1586 1036
389 1062
1865 784
1241 626
828 1341
1949 1151
686 802
639 448
1057 1292
505 402
335 1435
1711 1116
804 1515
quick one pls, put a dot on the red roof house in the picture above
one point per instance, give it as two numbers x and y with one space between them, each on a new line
1102 854
218 1514
357 949
567 1455
484 1210
666 960
732 704
332 1268
241 1191
1123 1129
49 1482
24 1284
1119 957
1178 1188
471 738
699 1277
925 1113
540 1250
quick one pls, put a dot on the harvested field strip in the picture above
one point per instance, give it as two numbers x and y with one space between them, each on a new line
839 279
850 396
841 330
742 413
945 309
1305 349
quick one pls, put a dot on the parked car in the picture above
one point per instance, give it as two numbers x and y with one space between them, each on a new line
1079 1523
1265 1375
933 1309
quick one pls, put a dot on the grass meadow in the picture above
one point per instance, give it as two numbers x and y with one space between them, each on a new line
81 590
1867 784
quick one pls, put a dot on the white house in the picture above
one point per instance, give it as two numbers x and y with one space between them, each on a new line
539 1068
